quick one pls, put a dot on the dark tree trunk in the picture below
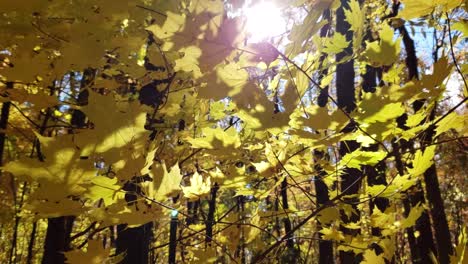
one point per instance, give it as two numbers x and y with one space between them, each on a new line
321 190
5 113
134 242
210 221
375 174
345 90
436 204
57 239
31 242
292 253
421 246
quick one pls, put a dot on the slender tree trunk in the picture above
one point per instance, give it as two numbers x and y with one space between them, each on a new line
32 238
434 197
321 190
375 174
422 245
5 113
292 254
210 221
345 90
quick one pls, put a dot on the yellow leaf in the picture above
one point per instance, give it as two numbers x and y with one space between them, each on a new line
413 216
62 174
317 118
189 61
332 233
167 184
328 215
385 51
198 187
418 8
461 26
216 138
335 44
173 23
355 16
452 121
105 188
117 128
358 158
94 254
50 208
422 161
372 258
460 256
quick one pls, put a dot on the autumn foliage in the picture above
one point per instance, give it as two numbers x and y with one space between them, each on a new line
154 131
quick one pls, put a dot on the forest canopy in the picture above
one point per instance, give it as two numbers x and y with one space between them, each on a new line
233 131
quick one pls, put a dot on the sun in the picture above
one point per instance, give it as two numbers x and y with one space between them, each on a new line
264 21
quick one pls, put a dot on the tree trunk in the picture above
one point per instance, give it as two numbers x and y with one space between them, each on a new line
422 245
57 239
345 90
134 242
321 191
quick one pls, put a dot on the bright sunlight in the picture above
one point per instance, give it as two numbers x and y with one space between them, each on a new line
264 21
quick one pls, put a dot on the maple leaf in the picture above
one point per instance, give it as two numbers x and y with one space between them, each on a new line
332 233
165 184
383 52
422 161
418 8
216 138
355 16
371 258
105 188
118 127
63 173
95 254
359 158
198 187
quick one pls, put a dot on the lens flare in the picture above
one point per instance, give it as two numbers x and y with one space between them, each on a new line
264 21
